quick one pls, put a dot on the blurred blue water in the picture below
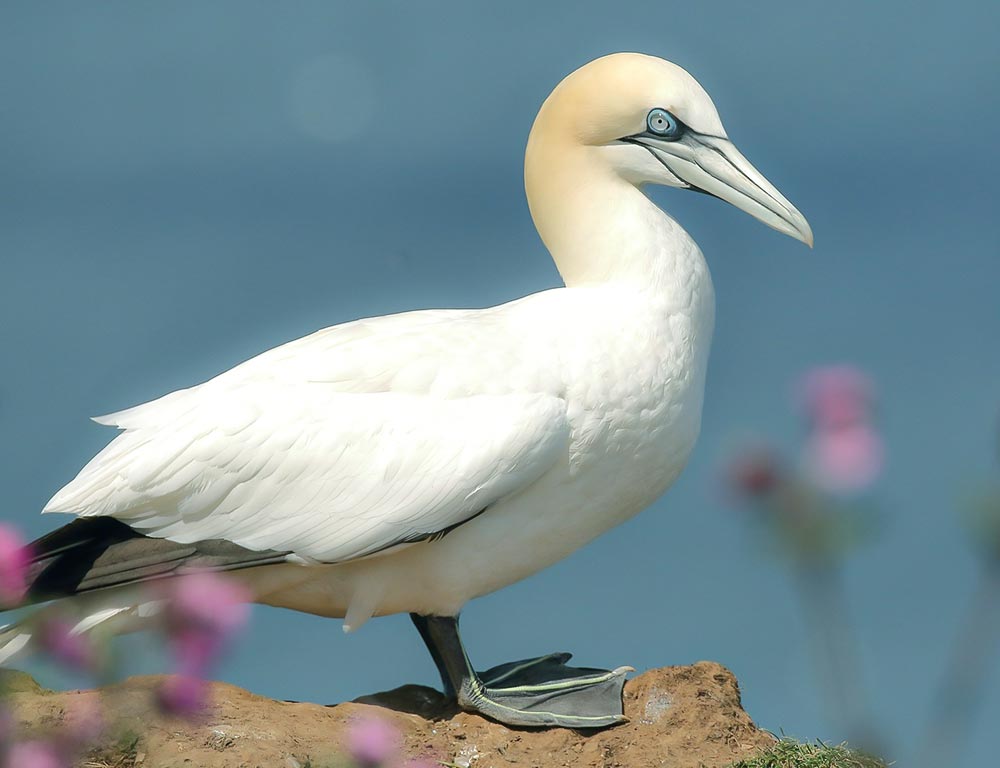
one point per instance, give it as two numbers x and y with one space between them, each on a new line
177 194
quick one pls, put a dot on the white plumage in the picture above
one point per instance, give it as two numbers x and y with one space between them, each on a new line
361 437
329 461
415 461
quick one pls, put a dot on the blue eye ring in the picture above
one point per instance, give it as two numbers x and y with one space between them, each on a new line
663 125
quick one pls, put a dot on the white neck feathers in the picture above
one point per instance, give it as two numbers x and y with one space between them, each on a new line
598 227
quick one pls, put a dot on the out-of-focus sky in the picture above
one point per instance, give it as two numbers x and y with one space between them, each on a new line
183 185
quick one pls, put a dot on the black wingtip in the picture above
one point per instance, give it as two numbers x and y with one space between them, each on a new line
62 559
102 552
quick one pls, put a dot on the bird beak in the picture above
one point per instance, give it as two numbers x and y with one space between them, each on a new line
714 165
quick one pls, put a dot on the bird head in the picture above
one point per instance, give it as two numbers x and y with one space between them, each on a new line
649 122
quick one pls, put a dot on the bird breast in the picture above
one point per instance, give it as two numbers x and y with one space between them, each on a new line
635 394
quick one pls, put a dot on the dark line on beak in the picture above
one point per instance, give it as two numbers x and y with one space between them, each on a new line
735 167
687 184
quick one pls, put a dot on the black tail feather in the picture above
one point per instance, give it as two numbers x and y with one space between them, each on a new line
101 552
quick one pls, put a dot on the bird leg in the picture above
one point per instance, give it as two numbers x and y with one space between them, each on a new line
532 692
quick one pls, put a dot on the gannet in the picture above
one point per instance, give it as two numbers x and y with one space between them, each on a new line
412 462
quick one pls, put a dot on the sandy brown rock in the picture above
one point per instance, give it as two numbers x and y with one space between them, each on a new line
681 717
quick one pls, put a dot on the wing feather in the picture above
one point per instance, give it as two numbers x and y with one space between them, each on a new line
339 444
325 474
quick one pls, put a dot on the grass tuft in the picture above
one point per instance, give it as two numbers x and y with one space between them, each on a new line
788 753
124 753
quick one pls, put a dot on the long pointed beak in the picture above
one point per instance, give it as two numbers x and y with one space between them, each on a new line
714 165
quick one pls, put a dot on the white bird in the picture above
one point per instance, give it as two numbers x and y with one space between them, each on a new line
412 462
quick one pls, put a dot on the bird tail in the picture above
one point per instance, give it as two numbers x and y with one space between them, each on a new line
111 612
95 575
14 640
60 564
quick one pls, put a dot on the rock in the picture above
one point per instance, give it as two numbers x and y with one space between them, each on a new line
681 717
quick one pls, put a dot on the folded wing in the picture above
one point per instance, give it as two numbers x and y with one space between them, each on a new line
309 469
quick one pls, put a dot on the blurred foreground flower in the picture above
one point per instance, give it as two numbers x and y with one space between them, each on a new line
755 473
813 517
15 556
73 650
183 695
203 611
372 742
34 754
843 452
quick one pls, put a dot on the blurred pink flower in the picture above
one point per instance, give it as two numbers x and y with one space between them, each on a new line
754 473
34 754
373 741
195 649
836 395
844 453
845 460
73 650
15 556
203 611
183 695
207 601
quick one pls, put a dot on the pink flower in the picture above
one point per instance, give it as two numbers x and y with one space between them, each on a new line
195 649
754 474
203 611
15 557
183 695
71 649
846 460
844 453
372 742
34 754
836 395
208 601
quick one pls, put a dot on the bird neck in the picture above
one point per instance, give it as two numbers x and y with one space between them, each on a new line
599 228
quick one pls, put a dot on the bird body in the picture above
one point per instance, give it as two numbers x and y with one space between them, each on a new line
412 462
565 412
620 406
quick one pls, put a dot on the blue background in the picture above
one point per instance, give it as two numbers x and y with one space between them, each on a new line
183 185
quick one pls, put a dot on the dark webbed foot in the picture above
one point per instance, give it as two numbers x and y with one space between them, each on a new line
545 691
533 692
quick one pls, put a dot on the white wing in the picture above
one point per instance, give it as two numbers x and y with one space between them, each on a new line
269 457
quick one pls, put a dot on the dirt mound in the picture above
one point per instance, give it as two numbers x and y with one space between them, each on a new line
682 717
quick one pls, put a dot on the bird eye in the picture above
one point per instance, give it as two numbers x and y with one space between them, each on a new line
664 125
